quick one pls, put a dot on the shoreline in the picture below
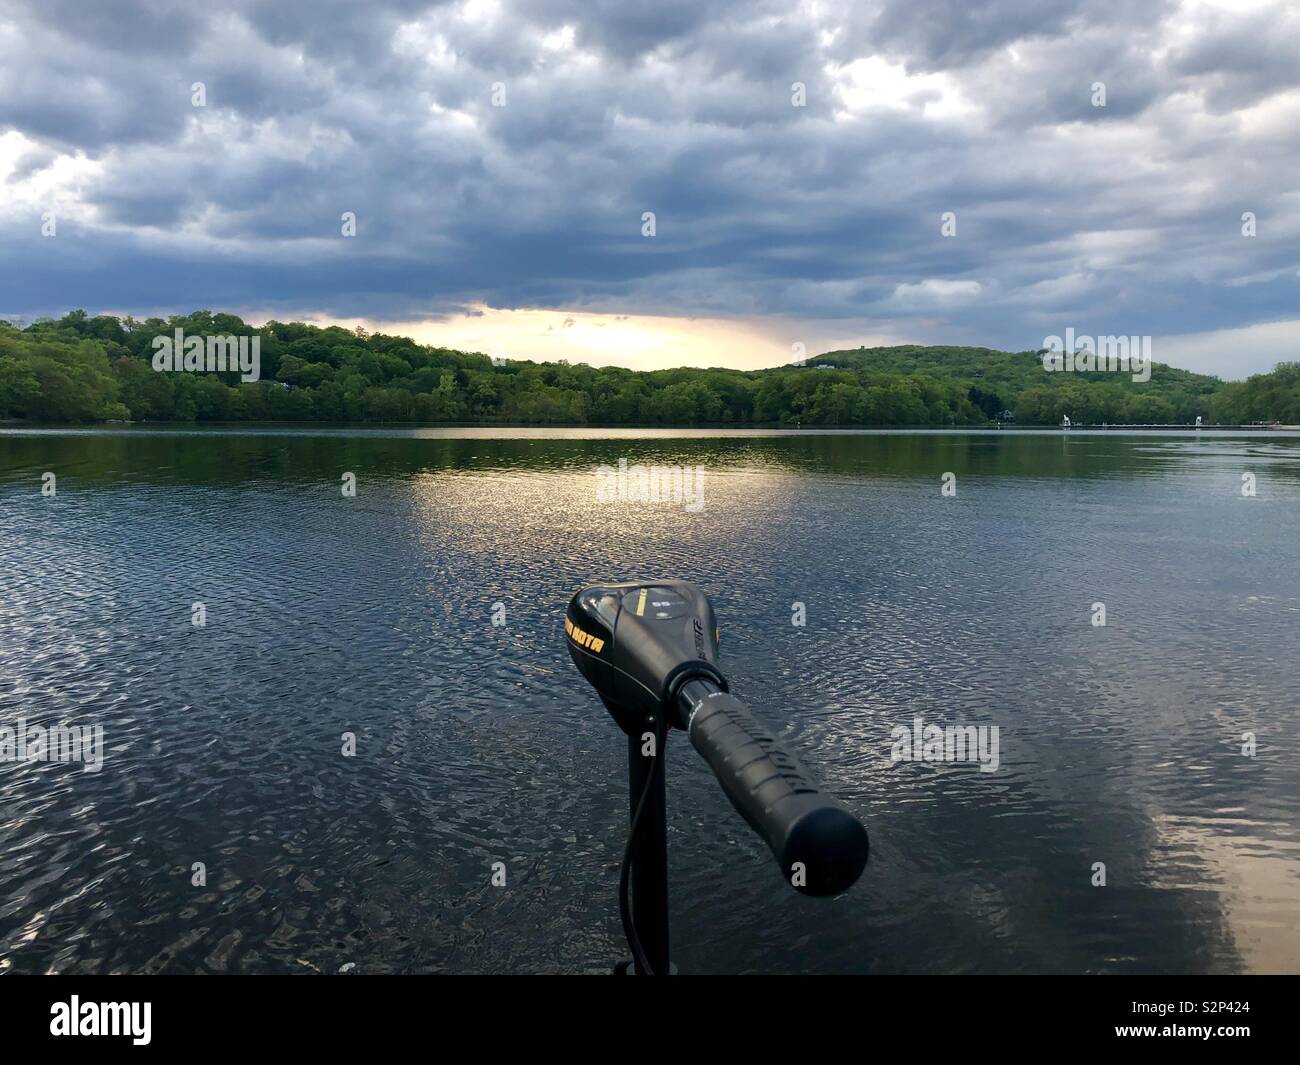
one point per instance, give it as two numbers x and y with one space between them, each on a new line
491 430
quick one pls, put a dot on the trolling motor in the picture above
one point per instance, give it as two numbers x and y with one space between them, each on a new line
651 650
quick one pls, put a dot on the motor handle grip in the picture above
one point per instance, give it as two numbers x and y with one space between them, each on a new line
820 847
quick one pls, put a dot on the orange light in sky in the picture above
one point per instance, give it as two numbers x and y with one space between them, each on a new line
639 342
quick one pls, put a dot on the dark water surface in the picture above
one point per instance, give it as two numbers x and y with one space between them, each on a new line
479 744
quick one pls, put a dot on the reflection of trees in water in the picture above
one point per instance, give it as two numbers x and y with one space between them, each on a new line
298 455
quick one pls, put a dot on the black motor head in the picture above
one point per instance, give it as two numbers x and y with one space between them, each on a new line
637 642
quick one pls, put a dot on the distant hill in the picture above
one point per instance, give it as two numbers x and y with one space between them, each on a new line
1016 381
83 368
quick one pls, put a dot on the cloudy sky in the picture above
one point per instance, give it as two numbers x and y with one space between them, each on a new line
499 158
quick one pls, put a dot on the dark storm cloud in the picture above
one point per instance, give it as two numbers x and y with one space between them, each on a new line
130 27
630 30
1117 219
943 34
1244 59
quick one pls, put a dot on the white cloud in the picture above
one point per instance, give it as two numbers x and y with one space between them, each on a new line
934 293
1233 354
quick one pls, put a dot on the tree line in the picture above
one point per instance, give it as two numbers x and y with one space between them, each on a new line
83 368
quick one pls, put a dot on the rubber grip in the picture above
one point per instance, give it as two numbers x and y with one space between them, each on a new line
802 825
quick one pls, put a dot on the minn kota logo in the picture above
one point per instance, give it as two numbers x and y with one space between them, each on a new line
583 639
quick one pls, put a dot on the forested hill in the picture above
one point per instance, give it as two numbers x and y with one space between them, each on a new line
82 368
1016 381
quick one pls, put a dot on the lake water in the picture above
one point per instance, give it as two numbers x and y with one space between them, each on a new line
479 743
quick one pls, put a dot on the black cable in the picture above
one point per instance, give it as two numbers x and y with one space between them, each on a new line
639 958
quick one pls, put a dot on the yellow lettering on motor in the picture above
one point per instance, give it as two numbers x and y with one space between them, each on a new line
583 639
